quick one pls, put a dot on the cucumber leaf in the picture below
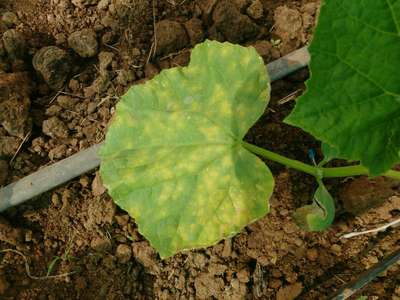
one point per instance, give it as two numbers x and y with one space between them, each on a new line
352 100
173 157
319 215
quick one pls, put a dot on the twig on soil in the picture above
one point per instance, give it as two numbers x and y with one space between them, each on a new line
174 54
28 273
112 47
20 146
288 98
72 95
55 96
382 228
153 48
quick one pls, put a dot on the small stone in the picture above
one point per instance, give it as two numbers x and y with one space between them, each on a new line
60 38
55 128
103 4
91 107
55 199
3 172
105 60
336 249
9 19
233 25
276 273
67 102
243 275
255 10
84 42
53 110
54 65
227 250
124 77
84 181
58 152
28 236
99 86
146 255
263 48
289 292
288 22
171 37
109 38
275 283
122 220
8 145
74 85
98 188
194 29
312 254
109 21
14 43
123 253
14 116
100 244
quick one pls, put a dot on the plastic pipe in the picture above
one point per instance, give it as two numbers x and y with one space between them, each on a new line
61 172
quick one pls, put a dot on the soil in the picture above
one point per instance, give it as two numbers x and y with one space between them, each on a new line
63 65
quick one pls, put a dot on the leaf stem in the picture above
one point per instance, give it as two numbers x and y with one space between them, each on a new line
315 171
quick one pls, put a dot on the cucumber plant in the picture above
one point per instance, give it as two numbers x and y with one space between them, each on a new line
174 156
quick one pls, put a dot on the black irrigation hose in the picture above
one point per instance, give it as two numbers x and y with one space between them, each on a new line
61 172
366 277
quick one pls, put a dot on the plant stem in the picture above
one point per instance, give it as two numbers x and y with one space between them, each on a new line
315 171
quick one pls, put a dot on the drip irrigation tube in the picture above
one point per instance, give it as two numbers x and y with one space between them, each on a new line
61 172
366 277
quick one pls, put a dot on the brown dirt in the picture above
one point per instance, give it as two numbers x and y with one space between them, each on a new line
77 228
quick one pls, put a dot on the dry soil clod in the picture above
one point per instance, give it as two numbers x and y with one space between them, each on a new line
54 65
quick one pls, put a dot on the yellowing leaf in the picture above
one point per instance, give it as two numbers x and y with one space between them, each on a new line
173 157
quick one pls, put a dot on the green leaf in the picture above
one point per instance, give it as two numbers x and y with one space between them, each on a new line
353 97
329 153
173 157
319 215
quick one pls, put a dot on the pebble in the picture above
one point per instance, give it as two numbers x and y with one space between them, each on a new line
100 244
55 128
336 248
243 275
103 4
171 37
66 102
91 107
289 292
14 43
9 19
312 254
255 10
84 42
3 172
194 29
54 65
123 253
122 220
263 48
105 60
